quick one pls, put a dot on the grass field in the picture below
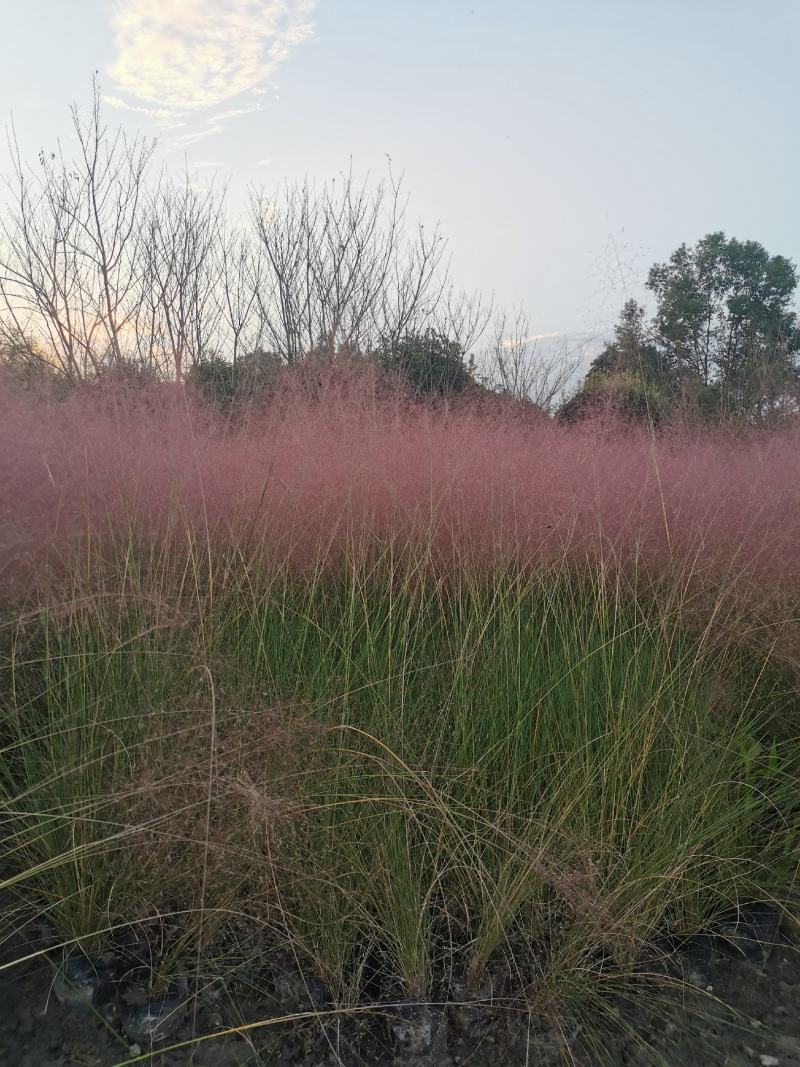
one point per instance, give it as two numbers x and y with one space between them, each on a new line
420 700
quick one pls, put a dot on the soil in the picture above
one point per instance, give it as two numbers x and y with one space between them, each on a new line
747 1016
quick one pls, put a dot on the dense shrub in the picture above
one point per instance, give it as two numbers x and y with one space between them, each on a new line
429 362
250 380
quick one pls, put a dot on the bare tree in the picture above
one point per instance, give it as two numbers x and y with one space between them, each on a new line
39 289
180 310
516 367
99 265
463 317
112 186
340 270
70 244
241 260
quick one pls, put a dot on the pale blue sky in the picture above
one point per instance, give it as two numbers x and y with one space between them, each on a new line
548 139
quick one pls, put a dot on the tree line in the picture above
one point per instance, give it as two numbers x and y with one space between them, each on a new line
109 264
723 344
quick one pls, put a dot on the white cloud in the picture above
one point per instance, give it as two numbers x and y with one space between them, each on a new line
175 58
187 139
512 342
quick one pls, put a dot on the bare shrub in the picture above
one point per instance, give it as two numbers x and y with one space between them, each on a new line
518 369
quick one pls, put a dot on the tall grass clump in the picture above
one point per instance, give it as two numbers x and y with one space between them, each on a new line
428 700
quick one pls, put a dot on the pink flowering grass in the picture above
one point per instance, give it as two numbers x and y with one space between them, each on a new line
322 468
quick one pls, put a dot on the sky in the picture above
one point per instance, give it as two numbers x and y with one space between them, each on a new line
562 146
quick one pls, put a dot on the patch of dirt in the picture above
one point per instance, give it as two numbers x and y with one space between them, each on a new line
748 1016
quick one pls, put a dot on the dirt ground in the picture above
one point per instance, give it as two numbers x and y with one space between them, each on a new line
749 1017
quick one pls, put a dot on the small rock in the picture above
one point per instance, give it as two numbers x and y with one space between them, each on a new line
80 980
156 1018
418 1029
768 1061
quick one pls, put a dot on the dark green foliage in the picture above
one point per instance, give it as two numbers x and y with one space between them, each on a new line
622 395
252 377
630 377
430 362
631 351
724 342
724 318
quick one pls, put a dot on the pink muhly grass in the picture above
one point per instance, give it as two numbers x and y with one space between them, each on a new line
330 458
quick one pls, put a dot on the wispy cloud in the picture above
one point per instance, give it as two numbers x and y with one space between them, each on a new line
178 58
512 342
